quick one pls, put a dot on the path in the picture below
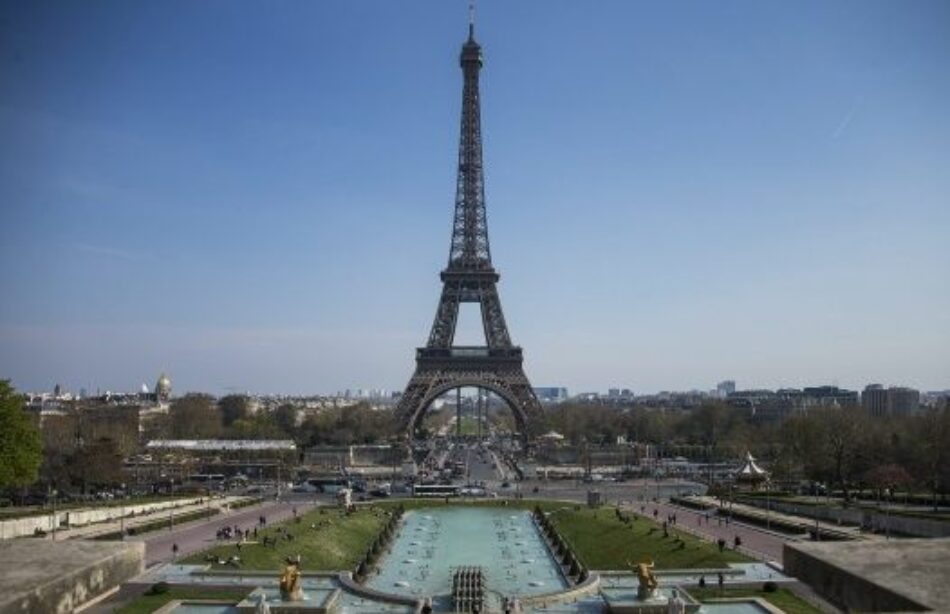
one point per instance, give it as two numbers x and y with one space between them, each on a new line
199 535
756 542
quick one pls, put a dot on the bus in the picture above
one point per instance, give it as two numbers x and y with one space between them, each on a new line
435 490
211 481
329 485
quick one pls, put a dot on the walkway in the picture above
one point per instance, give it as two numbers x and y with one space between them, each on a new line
756 542
201 534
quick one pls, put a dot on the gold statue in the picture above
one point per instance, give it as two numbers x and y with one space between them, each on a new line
290 589
648 583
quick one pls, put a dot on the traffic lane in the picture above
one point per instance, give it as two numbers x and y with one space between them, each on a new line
714 528
192 538
610 492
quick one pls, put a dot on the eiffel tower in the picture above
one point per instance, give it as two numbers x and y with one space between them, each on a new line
469 277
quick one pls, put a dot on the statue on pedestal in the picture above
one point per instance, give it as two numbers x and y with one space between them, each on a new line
290 587
648 583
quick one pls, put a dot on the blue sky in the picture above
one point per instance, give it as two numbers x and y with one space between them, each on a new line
258 196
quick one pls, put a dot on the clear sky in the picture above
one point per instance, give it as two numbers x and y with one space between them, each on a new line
258 196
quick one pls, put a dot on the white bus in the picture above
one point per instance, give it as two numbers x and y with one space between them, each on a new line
435 490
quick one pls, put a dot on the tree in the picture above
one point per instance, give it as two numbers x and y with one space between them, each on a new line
285 416
234 407
194 416
21 451
844 430
98 463
933 450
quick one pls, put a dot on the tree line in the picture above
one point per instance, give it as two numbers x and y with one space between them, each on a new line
840 446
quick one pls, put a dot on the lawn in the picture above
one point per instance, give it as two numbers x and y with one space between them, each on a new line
325 538
782 598
149 603
601 541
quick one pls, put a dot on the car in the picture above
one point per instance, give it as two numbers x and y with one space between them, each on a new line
506 484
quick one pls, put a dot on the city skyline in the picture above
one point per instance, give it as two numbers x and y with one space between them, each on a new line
265 204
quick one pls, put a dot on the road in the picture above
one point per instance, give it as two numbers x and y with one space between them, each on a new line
199 535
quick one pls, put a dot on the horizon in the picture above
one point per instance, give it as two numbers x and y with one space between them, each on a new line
261 200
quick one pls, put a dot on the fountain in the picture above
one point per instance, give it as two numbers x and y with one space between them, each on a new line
290 589
648 583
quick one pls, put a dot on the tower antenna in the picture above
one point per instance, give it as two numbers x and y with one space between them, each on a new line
471 19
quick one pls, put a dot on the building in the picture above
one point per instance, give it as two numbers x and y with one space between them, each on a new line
551 394
725 388
894 401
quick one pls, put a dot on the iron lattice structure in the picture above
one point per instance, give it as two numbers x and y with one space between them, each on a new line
469 277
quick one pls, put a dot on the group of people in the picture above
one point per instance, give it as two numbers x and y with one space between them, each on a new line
736 542
721 579
236 532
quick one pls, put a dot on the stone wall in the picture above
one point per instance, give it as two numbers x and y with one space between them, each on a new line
45 577
24 527
907 575
861 517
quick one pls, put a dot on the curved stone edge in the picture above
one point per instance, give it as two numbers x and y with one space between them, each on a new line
588 586
346 581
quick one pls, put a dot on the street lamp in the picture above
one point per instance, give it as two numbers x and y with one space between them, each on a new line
122 516
55 518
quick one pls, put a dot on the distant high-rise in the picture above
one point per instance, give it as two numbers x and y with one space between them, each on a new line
878 401
725 388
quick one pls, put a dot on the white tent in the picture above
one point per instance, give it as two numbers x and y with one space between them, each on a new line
751 472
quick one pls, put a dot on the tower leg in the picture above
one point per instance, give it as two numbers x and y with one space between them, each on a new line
458 413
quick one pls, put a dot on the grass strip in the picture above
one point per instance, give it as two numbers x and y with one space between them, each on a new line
602 541
782 598
146 604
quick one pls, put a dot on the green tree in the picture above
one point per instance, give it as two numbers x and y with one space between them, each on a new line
285 417
234 407
194 416
21 451
98 463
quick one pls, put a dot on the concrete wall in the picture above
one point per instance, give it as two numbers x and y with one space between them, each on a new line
43 577
904 525
841 586
24 527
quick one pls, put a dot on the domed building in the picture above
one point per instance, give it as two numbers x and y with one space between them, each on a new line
163 388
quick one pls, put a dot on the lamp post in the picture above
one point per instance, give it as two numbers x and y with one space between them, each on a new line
122 516
55 518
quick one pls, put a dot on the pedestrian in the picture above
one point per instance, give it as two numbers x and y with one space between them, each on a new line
722 544
722 581
676 605
737 541
175 550
702 582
